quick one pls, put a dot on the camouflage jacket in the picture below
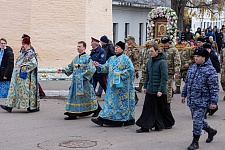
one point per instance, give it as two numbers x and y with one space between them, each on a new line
201 85
186 58
173 59
145 57
222 58
135 55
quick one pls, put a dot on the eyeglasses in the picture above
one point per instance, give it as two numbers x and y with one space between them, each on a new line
3 43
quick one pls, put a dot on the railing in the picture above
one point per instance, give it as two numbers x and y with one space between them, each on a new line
51 74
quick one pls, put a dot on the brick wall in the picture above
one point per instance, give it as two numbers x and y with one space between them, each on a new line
55 26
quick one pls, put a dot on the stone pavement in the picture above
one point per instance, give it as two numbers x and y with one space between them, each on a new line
47 130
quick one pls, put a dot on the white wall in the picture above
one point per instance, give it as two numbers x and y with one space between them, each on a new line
206 21
133 16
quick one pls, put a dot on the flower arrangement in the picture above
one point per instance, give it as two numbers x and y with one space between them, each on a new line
163 12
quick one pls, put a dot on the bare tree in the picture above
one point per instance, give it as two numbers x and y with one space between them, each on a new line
178 6
199 8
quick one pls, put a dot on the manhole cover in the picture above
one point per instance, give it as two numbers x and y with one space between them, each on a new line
78 144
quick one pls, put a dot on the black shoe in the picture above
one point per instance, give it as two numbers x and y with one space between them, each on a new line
129 122
70 118
142 130
96 112
97 121
158 129
33 110
211 133
224 98
8 109
138 89
177 91
169 127
193 146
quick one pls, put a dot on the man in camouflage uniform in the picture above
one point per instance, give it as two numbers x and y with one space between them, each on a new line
144 59
134 54
222 62
174 64
186 60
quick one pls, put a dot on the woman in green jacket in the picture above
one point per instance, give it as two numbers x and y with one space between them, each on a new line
156 113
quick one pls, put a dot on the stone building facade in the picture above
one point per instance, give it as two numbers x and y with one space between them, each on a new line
55 26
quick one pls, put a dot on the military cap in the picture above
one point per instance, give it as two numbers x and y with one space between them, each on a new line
94 40
165 39
201 39
201 52
129 37
207 45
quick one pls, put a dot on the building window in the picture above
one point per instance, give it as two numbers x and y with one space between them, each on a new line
146 37
127 29
140 34
115 32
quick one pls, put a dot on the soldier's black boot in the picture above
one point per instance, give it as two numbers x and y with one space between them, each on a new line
139 88
224 98
211 133
194 145
177 91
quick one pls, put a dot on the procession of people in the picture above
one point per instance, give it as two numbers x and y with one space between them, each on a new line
195 61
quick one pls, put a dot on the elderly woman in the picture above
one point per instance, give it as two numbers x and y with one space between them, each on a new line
119 104
23 87
6 67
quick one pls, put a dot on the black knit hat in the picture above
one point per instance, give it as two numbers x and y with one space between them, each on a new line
201 52
207 45
104 39
121 44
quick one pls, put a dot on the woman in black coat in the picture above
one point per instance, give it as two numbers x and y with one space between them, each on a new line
6 67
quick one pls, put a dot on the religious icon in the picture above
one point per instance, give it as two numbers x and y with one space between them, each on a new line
160 29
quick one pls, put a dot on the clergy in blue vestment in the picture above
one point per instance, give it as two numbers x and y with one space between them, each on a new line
119 104
81 100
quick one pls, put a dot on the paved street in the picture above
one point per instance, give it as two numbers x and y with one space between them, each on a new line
47 130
